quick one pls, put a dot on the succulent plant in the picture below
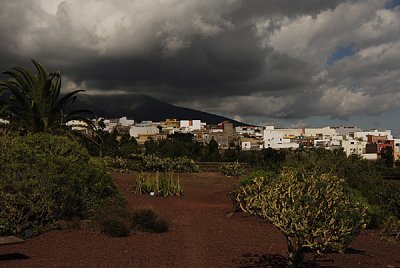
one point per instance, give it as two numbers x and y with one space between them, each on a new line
314 212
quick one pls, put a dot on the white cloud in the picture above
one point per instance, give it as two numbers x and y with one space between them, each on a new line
355 84
121 27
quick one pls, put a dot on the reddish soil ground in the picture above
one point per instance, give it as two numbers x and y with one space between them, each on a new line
202 234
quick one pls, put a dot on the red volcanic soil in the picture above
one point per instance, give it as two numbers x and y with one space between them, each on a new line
202 233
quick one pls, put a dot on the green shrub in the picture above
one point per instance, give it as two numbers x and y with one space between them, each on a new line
390 198
159 185
154 163
267 174
45 178
364 177
122 164
391 228
313 211
24 206
115 227
147 220
376 217
234 169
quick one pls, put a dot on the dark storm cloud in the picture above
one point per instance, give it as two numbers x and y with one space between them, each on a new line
209 62
246 58
221 66
230 64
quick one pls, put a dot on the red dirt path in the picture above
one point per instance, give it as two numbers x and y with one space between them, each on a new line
202 234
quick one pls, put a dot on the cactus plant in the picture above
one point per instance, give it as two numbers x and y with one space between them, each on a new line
314 212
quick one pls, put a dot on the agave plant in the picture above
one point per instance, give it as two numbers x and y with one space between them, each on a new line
32 102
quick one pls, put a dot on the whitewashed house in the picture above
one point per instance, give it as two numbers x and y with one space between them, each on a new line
278 138
362 135
136 131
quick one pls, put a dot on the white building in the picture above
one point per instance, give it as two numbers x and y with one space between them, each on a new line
126 122
110 124
245 145
249 131
322 133
322 143
362 135
190 125
278 139
396 145
346 130
354 147
78 125
135 131
336 141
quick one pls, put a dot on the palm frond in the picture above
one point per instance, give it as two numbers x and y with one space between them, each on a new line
42 72
33 100
68 98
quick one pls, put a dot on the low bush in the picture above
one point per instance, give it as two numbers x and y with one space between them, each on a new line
391 228
122 164
159 185
375 215
154 163
234 169
145 219
24 206
45 178
267 174
313 211
115 227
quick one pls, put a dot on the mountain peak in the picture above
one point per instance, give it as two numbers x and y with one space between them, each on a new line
143 108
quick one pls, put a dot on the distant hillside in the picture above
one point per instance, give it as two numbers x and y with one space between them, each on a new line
143 108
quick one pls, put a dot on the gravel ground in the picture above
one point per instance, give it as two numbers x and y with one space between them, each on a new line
203 233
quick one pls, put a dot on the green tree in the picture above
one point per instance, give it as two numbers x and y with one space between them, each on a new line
151 147
212 152
387 156
127 146
32 102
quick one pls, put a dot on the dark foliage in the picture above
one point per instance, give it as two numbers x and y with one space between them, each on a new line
147 220
44 178
114 145
33 103
114 227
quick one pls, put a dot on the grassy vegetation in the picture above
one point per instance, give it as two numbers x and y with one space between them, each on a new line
157 184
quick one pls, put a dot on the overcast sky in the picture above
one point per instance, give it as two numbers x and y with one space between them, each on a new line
290 63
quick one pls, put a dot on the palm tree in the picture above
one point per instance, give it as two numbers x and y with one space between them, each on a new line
32 102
